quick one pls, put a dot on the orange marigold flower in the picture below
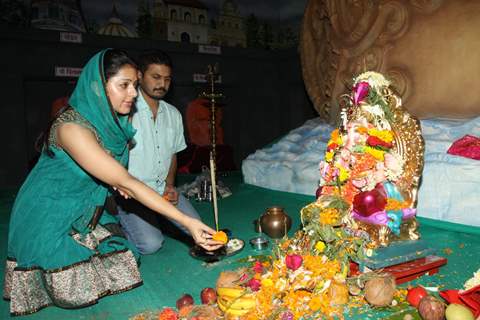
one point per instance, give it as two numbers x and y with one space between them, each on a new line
168 314
394 204
315 303
220 236
334 135
361 130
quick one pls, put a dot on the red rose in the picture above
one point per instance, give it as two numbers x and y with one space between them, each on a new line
376 142
254 284
257 267
293 261
332 146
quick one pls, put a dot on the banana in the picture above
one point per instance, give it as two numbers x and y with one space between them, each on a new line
238 303
229 310
230 292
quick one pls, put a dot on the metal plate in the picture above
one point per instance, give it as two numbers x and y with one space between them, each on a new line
233 247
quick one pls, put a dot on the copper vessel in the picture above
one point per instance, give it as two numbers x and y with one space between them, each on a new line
275 222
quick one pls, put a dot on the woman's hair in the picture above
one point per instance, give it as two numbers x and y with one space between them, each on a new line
113 61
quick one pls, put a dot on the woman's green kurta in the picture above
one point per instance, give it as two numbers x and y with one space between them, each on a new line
54 255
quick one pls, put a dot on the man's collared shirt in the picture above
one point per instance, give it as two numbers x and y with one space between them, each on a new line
156 141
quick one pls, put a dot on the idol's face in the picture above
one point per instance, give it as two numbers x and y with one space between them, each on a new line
155 81
122 89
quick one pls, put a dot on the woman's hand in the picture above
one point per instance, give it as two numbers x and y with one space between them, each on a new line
202 235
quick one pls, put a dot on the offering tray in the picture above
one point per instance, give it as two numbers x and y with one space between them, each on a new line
232 247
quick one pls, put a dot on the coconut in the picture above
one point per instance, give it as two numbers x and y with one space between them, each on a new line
379 290
431 308
228 279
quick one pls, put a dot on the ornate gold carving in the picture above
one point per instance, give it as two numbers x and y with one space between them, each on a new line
344 37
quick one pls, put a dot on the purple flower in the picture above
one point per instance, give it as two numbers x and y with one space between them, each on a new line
293 261
360 91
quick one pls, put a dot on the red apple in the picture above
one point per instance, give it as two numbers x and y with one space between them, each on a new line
416 294
208 296
185 300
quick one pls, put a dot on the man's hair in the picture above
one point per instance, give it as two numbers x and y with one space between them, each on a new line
153 57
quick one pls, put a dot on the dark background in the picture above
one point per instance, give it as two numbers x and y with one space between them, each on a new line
264 91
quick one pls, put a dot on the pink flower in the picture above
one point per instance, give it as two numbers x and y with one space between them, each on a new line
243 277
257 267
254 284
360 91
287 315
293 261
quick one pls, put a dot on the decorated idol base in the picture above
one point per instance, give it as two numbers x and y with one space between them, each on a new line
396 253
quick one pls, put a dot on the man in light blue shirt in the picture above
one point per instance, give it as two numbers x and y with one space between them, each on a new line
153 157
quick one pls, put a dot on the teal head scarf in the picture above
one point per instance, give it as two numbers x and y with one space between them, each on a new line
90 100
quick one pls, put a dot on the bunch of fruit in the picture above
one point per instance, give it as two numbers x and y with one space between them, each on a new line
431 308
235 301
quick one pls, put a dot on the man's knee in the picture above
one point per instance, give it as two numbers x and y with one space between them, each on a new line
150 245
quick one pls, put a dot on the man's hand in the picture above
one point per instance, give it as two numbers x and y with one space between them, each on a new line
171 194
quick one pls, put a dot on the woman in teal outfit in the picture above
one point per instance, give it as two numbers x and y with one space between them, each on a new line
62 248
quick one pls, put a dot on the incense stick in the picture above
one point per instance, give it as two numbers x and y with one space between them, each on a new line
214 191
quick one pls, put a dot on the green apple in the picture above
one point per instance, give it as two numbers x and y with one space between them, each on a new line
458 312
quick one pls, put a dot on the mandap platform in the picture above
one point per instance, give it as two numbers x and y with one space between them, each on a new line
172 271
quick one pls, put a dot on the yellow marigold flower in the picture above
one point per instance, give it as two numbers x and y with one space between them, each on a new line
315 303
329 156
384 135
329 216
267 282
377 154
394 204
320 246
343 174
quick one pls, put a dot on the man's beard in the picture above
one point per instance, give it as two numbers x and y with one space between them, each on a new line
158 93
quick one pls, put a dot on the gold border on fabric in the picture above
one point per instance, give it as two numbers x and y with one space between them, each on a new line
75 286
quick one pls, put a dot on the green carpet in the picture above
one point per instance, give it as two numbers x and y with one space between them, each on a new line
171 272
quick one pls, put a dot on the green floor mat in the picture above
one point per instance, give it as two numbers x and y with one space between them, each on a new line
171 272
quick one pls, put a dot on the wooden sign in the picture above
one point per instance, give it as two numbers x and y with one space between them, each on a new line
73 37
203 48
67 72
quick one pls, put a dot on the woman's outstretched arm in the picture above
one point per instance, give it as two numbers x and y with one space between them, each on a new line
80 143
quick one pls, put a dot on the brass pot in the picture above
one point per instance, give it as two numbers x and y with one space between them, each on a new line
275 222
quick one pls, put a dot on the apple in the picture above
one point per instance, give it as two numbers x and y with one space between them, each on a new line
416 294
208 296
184 300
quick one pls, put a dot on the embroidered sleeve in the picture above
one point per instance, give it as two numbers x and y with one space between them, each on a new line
70 115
